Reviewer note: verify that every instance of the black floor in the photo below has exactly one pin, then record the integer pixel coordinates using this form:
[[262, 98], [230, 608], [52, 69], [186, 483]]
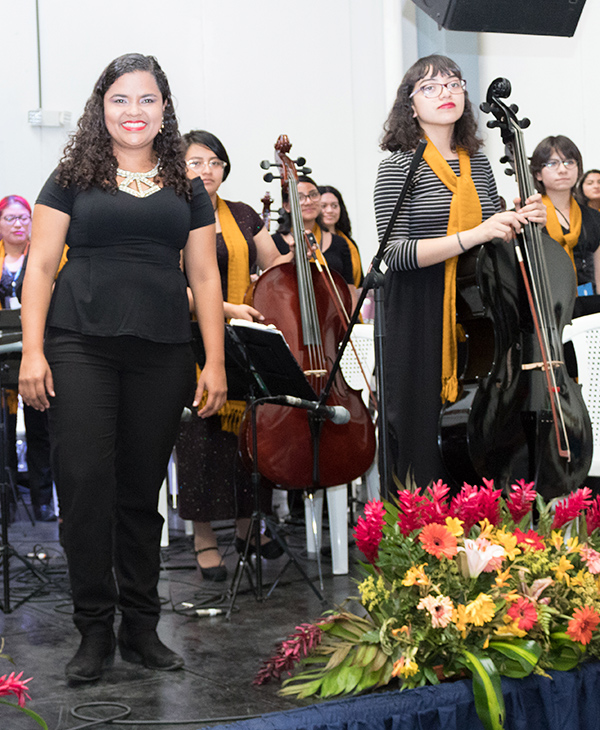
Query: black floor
[[222, 656]]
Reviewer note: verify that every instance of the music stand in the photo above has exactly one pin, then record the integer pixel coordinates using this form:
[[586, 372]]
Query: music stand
[[260, 366], [11, 347]]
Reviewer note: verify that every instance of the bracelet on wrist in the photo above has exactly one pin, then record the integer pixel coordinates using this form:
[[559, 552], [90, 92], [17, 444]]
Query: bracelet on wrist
[[462, 248]]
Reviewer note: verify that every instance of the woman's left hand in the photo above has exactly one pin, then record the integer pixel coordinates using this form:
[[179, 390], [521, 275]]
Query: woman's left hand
[[213, 381], [534, 209]]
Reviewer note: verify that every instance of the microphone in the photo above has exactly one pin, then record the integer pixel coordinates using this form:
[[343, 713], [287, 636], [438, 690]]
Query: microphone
[[186, 415], [335, 414]]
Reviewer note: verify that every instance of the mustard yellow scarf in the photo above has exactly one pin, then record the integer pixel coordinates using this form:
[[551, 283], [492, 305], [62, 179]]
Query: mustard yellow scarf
[[465, 213], [355, 255], [567, 240]]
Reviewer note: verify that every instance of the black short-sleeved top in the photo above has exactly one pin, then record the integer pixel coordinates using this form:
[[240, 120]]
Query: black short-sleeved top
[[123, 274], [337, 255]]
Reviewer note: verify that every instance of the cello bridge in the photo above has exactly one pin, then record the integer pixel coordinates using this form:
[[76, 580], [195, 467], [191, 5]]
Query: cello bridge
[[540, 365]]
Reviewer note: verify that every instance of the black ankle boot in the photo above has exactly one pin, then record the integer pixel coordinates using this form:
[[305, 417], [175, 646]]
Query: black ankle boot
[[96, 652], [144, 647]]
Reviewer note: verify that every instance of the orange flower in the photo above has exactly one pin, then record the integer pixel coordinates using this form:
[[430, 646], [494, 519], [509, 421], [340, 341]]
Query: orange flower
[[438, 540], [582, 624], [502, 578]]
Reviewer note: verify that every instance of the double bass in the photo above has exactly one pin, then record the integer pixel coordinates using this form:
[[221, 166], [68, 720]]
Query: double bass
[[295, 448], [519, 414]]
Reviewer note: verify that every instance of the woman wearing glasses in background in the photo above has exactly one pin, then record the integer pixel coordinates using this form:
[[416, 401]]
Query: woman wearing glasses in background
[[214, 486], [451, 207], [556, 167]]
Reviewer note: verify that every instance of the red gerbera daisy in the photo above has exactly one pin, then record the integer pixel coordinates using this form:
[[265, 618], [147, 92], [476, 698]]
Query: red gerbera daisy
[[582, 624], [523, 610], [529, 540], [438, 541]]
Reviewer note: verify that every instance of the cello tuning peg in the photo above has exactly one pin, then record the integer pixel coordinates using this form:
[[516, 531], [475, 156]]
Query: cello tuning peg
[[306, 170], [514, 108], [301, 161], [265, 164], [269, 177], [485, 107], [493, 123], [524, 123], [509, 172], [504, 160]]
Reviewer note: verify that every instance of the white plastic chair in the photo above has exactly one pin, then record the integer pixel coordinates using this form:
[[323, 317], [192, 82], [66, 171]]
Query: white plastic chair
[[337, 497], [584, 333]]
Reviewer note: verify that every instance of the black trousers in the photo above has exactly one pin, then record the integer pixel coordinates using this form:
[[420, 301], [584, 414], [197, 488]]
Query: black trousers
[[113, 424]]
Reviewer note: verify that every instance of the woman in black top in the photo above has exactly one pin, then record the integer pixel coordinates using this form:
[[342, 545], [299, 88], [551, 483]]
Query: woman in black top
[[107, 351]]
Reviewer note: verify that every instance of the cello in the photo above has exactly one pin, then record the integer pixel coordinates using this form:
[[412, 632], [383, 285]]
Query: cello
[[297, 449], [519, 414]]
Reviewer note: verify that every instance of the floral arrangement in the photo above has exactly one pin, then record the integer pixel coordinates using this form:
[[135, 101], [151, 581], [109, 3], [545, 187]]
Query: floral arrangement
[[12, 684], [455, 586]]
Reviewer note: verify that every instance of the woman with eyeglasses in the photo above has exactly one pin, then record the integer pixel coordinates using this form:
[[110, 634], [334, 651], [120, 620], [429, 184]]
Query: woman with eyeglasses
[[451, 207], [335, 249], [335, 219], [556, 166], [214, 486]]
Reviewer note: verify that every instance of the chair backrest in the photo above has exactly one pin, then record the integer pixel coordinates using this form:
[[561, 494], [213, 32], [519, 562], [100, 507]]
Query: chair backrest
[[584, 333], [362, 337]]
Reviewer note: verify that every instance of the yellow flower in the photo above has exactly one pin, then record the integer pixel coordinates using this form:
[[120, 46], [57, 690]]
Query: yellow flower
[[508, 542], [556, 538], [459, 617], [510, 629], [455, 526], [486, 643], [573, 545], [481, 610], [579, 579], [502, 578], [405, 667], [564, 564], [402, 630], [511, 596], [486, 528], [415, 576]]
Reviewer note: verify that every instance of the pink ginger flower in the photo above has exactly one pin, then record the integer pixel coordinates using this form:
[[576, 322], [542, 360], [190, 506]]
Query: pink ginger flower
[[14, 685], [593, 516], [571, 507], [520, 499], [369, 530], [410, 513], [290, 651], [591, 558], [473, 504]]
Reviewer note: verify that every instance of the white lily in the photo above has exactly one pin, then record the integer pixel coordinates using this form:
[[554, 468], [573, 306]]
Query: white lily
[[478, 557]]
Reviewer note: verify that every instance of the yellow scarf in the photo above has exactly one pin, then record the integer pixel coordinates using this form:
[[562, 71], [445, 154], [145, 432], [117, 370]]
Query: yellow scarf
[[238, 281], [567, 240], [465, 213], [12, 398], [355, 255]]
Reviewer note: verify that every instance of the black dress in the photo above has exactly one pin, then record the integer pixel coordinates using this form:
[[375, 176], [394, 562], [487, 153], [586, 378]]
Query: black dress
[[337, 255], [413, 309]]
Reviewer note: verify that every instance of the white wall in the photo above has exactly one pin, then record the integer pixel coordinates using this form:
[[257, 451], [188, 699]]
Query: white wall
[[318, 71]]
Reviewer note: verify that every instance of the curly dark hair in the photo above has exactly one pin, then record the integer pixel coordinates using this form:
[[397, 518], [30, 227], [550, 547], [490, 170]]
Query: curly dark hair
[[401, 129], [343, 223], [543, 152], [89, 160]]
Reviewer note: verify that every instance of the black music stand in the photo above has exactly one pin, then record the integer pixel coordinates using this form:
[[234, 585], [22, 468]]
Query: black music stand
[[260, 367], [10, 360]]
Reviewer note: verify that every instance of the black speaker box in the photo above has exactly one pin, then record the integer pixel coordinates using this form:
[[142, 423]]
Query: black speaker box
[[529, 17]]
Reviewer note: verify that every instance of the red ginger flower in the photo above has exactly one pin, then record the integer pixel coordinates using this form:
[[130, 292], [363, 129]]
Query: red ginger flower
[[473, 504], [520, 499], [582, 624], [410, 511], [571, 507], [289, 652], [435, 508], [14, 685], [369, 530], [529, 540], [593, 515], [523, 610]]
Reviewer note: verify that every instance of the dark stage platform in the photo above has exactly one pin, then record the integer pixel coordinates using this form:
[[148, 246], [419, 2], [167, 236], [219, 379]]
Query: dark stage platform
[[221, 656]]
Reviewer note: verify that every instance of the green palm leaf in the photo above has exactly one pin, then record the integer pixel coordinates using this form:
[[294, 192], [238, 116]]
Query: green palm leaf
[[487, 691]]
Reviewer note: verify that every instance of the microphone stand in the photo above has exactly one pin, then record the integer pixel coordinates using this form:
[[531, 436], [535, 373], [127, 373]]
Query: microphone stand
[[375, 280]]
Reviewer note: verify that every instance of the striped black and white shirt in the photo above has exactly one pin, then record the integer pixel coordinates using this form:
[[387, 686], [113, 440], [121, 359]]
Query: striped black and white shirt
[[426, 207]]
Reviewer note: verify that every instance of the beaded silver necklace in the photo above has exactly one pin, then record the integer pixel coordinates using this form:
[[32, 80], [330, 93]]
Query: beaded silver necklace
[[140, 179]]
